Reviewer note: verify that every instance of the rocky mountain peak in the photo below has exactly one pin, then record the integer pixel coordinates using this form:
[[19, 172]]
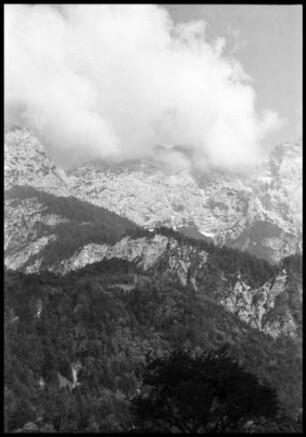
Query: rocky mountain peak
[[27, 164]]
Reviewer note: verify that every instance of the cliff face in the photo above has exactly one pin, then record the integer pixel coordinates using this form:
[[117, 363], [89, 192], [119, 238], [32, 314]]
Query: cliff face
[[148, 253], [23, 235], [259, 211], [266, 308], [27, 164]]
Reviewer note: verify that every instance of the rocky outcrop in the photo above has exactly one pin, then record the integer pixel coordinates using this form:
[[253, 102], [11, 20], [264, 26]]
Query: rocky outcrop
[[144, 251], [265, 308], [22, 230], [16, 261], [27, 164], [147, 253]]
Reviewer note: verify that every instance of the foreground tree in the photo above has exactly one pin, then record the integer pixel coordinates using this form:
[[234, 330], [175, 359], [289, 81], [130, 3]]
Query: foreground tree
[[206, 393]]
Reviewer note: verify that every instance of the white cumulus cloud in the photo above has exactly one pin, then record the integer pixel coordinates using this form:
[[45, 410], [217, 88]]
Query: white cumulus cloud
[[112, 81]]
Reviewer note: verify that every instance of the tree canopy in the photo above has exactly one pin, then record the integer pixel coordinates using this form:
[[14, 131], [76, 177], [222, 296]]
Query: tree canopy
[[210, 392]]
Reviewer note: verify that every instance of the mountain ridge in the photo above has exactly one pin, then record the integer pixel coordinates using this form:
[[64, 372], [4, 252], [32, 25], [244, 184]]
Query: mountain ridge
[[259, 212], [220, 206], [46, 228]]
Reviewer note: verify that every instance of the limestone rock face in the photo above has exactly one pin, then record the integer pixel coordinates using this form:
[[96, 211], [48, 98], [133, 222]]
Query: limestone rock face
[[22, 230], [27, 164], [141, 250], [259, 211], [147, 253], [265, 308]]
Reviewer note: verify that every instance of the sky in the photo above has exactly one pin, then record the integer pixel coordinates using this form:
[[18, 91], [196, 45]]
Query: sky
[[113, 81], [267, 40]]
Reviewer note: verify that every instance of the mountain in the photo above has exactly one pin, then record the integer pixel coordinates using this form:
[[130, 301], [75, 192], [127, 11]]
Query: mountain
[[35, 220], [40, 210], [61, 235], [84, 283], [27, 164], [46, 228], [259, 212]]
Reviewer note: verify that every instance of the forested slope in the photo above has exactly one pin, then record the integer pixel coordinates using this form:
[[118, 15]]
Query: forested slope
[[109, 316]]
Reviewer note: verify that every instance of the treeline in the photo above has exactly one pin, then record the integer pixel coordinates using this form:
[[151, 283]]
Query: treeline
[[86, 224], [294, 263], [78, 212]]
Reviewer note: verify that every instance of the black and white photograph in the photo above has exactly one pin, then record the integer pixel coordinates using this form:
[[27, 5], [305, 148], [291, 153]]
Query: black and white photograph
[[153, 226]]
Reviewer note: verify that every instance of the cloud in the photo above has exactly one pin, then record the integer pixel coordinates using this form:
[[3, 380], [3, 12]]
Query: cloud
[[112, 81], [237, 40]]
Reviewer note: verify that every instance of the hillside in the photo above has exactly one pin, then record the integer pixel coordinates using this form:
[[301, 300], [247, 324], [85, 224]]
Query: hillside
[[86, 285], [94, 317], [37, 219], [45, 230], [63, 234]]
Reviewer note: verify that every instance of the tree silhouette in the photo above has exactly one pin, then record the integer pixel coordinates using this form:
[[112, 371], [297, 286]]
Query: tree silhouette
[[210, 392]]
